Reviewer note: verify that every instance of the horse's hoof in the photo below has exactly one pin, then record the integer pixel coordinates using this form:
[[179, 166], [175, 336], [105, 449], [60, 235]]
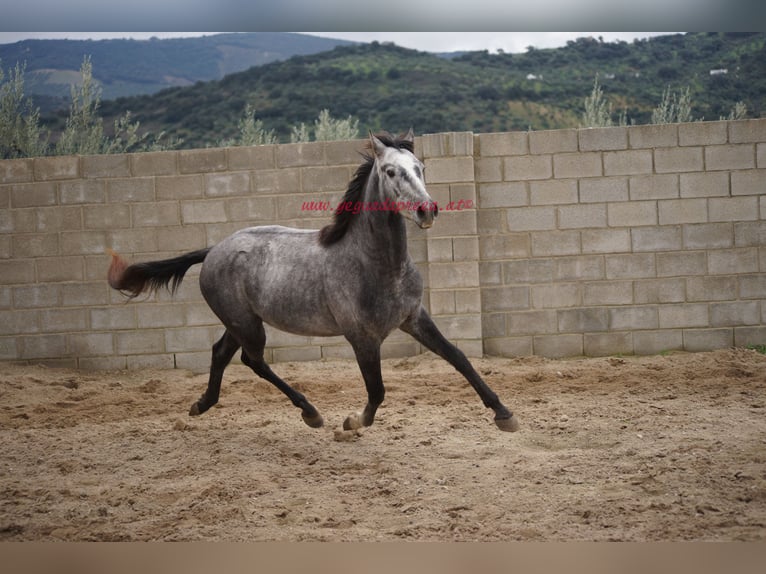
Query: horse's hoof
[[508, 425], [353, 422], [314, 422], [194, 410]]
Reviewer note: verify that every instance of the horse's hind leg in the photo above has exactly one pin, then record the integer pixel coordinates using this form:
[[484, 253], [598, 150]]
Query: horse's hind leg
[[422, 327], [223, 351], [252, 356]]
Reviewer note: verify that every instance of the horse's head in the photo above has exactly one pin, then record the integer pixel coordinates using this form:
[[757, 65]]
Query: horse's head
[[402, 181]]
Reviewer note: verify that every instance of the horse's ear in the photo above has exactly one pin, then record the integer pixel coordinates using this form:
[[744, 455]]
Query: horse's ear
[[377, 146], [409, 136]]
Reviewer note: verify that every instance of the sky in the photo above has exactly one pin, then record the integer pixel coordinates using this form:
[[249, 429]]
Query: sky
[[512, 42]]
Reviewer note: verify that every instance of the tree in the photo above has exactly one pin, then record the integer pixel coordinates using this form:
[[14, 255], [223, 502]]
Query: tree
[[20, 131]]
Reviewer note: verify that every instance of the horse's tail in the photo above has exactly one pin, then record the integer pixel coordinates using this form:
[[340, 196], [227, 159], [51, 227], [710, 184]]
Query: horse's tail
[[139, 277]]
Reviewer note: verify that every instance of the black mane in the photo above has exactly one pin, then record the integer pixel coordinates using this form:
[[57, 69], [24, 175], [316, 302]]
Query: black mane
[[343, 218]]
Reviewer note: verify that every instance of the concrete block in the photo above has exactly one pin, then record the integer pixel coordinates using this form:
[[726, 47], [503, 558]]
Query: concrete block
[[179, 187], [702, 133], [747, 336], [529, 271], [108, 216], [439, 249], [747, 131], [467, 301], [17, 271], [506, 194], [16, 171], [133, 189], [630, 266], [113, 318], [56, 167], [553, 243], [300, 155], [465, 248], [701, 340], [42, 346], [290, 354], [490, 273], [84, 294], [465, 192], [454, 223], [447, 170], [655, 342], [20, 322], [580, 268], [346, 152], [191, 338], [91, 344], [510, 298], [532, 322], [707, 236], [508, 347], [633, 318], [598, 139], [56, 269], [553, 192], [102, 363], [38, 295], [321, 179], [603, 189], [47, 219], [503, 144], [675, 211], [203, 211], [681, 263], [528, 167], [184, 238], [749, 233], [761, 155], [752, 286], [531, 218], [607, 344], [577, 165], [254, 157], [558, 346], [733, 261], [711, 288], [227, 184], [252, 209], [582, 216], [159, 316], [683, 316], [647, 187], [750, 182], [34, 245], [653, 136], [33, 194], [735, 313], [659, 291], [608, 293], [197, 362], [454, 275], [131, 240], [631, 162], [734, 156], [678, 159], [442, 302], [106, 166], [742, 208], [489, 169], [605, 240], [666, 238], [82, 191], [9, 350], [706, 184], [461, 143], [493, 325], [202, 160], [491, 222], [139, 342], [455, 327], [156, 214], [552, 141], [632, 214], [154, 163], [554, 296]]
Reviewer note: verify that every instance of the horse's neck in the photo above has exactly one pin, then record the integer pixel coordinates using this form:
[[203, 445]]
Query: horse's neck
[[380, 233]]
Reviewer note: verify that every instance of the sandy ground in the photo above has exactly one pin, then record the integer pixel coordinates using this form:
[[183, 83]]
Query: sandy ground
[[637, 448]]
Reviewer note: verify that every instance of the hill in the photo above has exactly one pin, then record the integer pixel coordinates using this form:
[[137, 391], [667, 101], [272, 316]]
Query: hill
[[389, 87], [125, 67]]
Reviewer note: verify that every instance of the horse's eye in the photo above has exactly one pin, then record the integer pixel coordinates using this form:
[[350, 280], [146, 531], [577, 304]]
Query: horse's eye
[[390, 172]]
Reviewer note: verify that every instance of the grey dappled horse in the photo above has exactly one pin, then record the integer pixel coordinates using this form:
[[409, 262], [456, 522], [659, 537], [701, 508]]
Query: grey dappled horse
[[353, 278]]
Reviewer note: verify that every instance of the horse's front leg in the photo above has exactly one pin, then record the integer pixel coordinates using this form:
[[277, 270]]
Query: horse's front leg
[[422, 328], [368, 358]]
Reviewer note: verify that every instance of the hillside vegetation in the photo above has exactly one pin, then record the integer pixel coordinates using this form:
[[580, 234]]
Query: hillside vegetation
[[389, 87]]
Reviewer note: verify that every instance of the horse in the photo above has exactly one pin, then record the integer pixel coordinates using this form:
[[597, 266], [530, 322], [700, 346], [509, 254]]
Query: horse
[[354, 277]]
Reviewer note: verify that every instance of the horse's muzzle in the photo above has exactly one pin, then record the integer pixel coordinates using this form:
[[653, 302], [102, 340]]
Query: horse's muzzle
[[425, 214]]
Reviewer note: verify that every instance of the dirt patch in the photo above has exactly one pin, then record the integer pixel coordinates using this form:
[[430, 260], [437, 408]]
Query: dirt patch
[[645, 448]]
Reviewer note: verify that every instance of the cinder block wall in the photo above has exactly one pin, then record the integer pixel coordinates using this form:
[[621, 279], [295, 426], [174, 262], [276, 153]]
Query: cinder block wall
[[569, 242]]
